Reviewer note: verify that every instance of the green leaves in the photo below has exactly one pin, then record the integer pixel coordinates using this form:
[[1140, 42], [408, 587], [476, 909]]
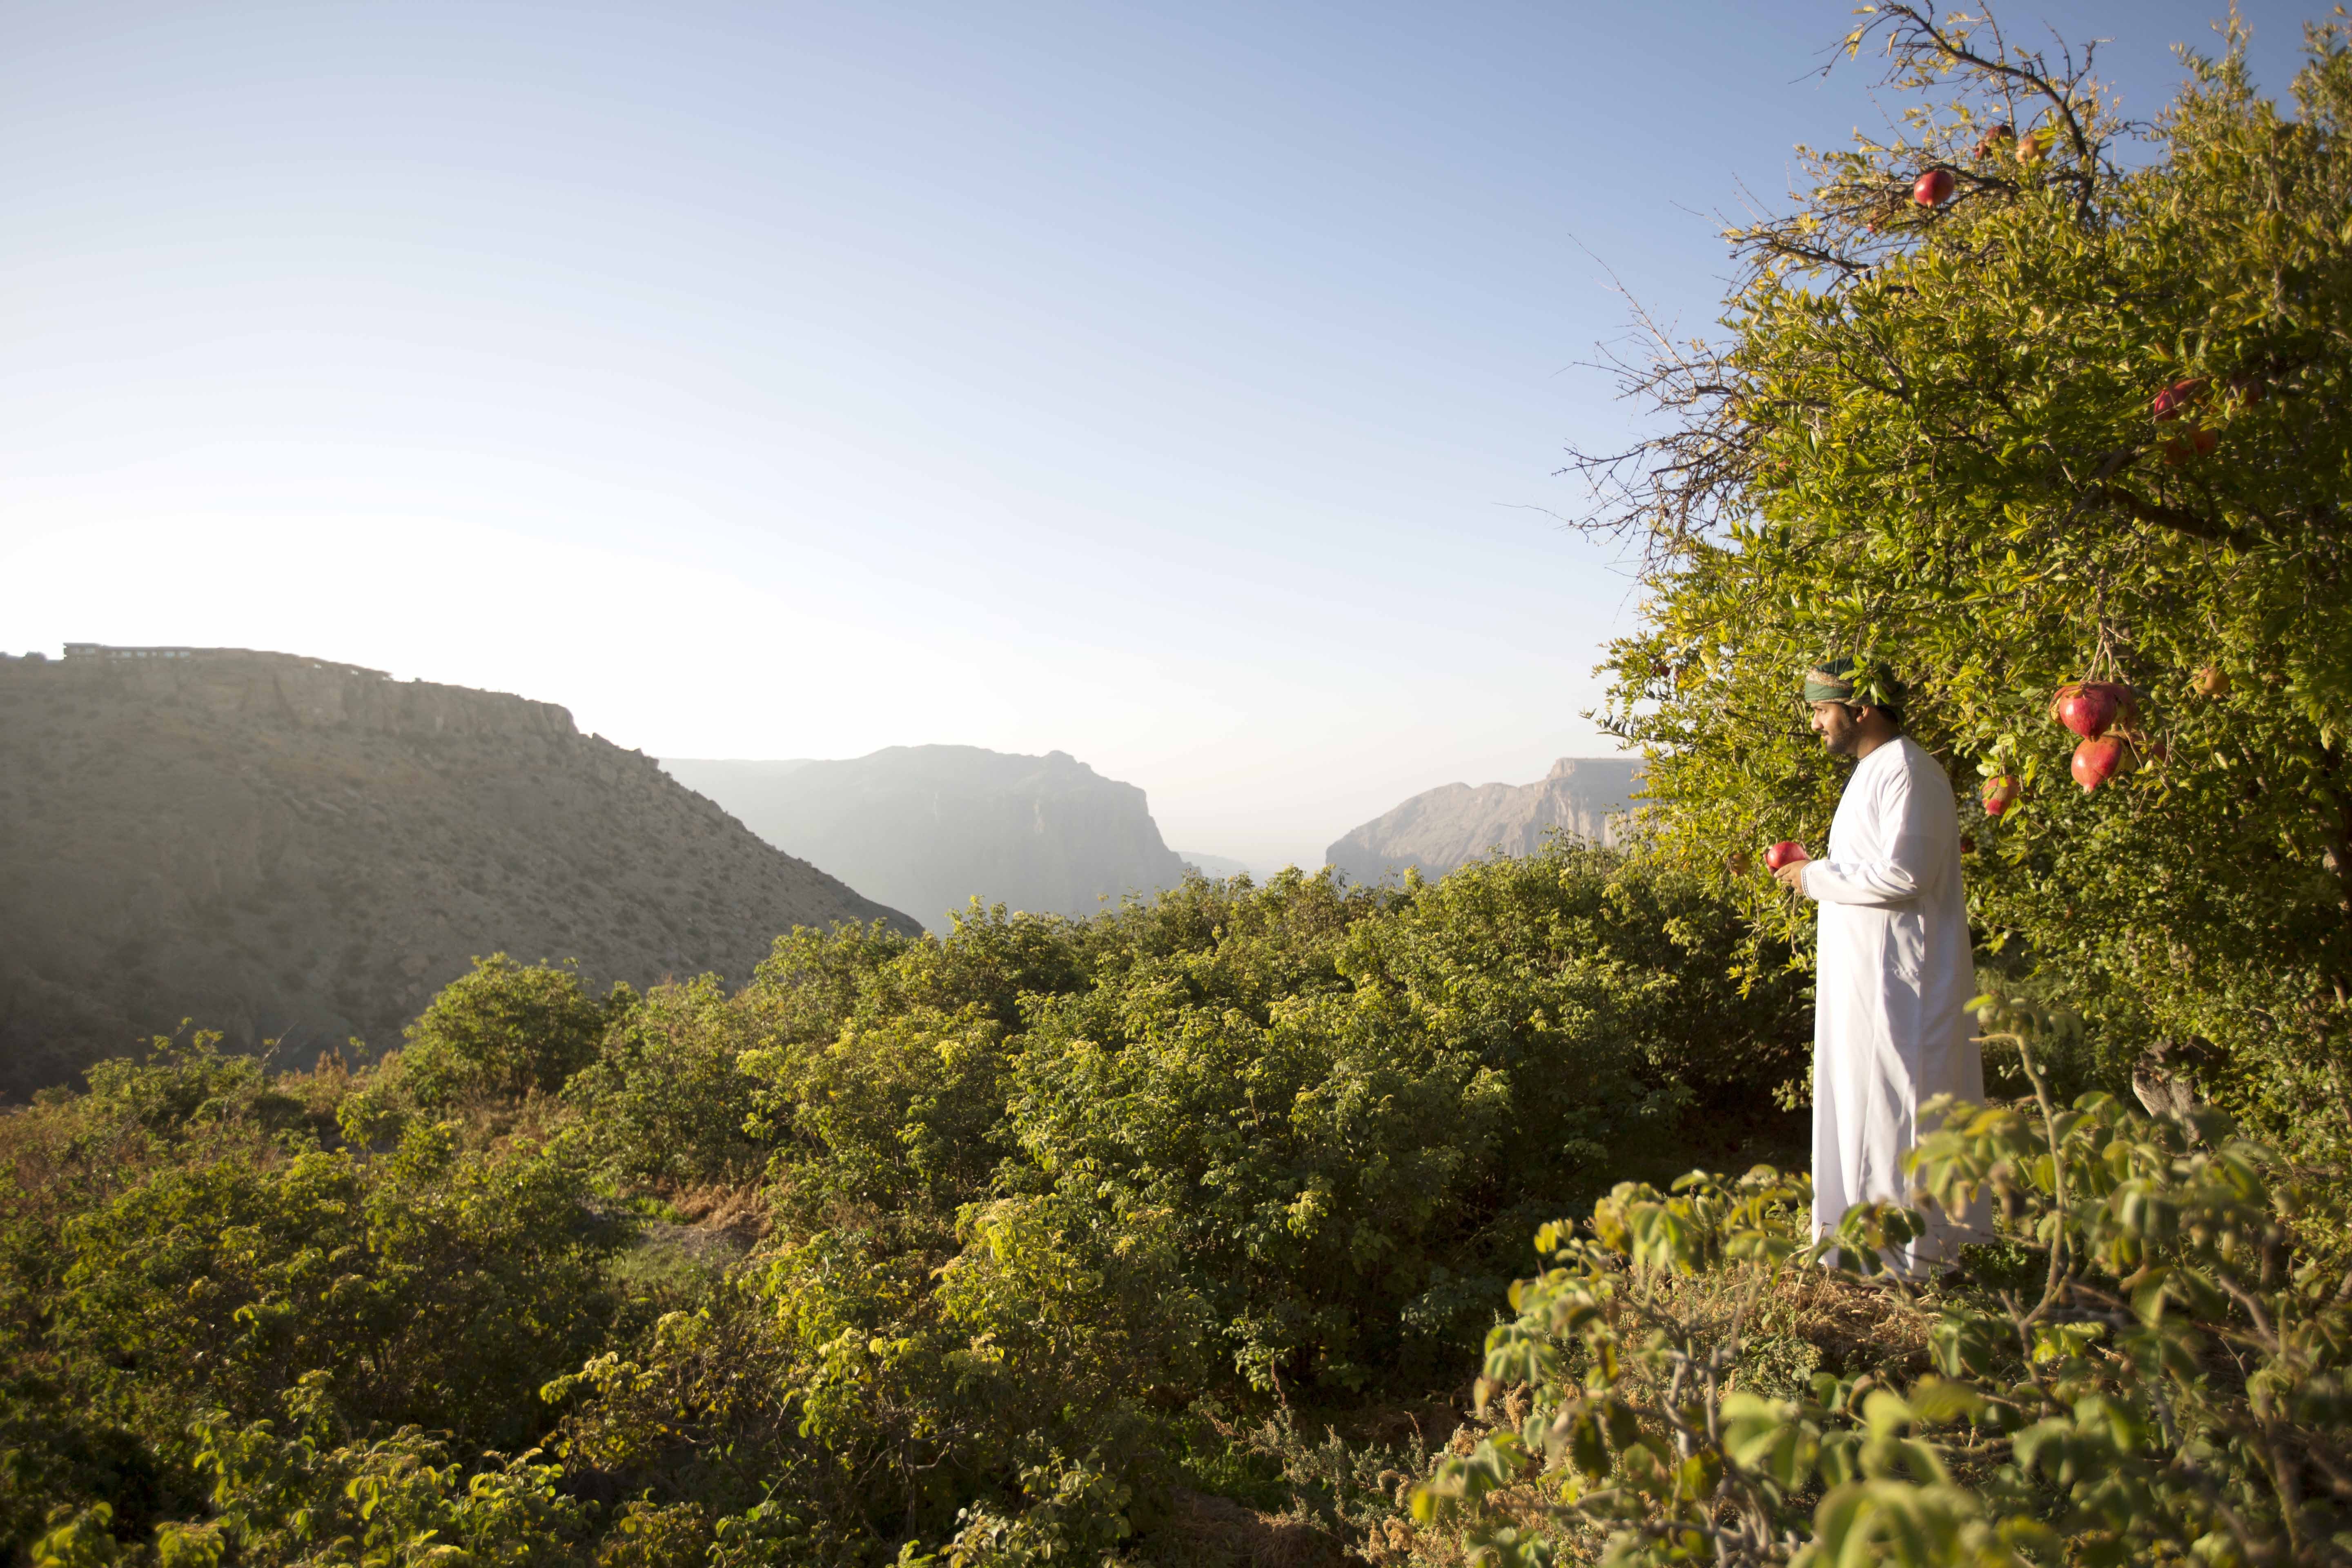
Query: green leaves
[[2080, 1422], [1938, 436]]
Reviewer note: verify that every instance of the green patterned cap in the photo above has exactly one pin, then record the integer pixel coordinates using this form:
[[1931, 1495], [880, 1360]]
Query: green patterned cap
[[1845, 680]]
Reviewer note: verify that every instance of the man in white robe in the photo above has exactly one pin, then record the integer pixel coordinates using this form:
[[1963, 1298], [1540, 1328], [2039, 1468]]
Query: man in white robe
[[1891, 1027]]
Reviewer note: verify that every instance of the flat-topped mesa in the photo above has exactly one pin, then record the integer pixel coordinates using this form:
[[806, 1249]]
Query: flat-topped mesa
[[289, 688], [293, 849]]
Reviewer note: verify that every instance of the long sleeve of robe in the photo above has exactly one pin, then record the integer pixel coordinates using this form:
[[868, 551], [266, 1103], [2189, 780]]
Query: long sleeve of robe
[[1896, 969]]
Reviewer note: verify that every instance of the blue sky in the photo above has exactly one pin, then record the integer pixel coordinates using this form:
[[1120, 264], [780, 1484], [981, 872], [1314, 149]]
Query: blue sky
[[1179, 386]]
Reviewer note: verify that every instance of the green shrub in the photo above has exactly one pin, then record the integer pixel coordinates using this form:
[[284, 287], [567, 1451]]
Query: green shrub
[[320, 1493], [665, 1102], [2172, 1386], [437, 1287], [505, 1030], [1348, 1111]]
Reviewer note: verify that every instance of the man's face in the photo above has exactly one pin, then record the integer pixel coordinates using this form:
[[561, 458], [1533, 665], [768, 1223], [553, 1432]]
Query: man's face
[[1838, 727]]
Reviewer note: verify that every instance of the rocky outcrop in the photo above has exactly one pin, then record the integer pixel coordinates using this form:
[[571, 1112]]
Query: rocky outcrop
[[928, 828], [1216, 867], [1439, 829], [285, 848]]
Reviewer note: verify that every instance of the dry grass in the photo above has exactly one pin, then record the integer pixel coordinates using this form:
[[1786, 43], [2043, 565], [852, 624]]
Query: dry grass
[[1203, 1530]]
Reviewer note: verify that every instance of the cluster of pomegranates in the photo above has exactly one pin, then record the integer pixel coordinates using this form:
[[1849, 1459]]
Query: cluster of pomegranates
[[1934, 187], [2104, 712]]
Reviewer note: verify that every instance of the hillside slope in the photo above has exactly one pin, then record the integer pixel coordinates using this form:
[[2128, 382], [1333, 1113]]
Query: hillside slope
[[1444, 828], [281, 848], [926, 829]]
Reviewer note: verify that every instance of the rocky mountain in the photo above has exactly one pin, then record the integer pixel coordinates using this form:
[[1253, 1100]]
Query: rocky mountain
[[281, 848], [1439, 829], [927, 828]]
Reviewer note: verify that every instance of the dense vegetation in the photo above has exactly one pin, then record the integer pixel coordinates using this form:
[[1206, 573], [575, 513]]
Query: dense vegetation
[[2089, 417], [2157, 1374], [999, 1244]]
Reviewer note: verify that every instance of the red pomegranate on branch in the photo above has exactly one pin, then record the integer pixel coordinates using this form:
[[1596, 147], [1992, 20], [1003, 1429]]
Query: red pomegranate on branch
[[2174, 400], [2098, 761], [2090, 708], [1933, 188], [2084, 707]]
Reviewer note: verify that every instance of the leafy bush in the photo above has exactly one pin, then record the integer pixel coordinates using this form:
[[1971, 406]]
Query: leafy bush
[[505, 1030], [2173, 1380], [1343, 1117], [429, 1283], [1031, 1194], [664, 1102], [1042, 1180], [321, 1493]]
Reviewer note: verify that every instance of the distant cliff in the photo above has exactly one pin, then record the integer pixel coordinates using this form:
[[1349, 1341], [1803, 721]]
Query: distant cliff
[[279, 847], [926, 829], [1439, 829], [1217, 868]]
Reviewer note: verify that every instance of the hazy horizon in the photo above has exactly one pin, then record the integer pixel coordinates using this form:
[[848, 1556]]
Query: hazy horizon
[[1179, 388], [1257, 867]]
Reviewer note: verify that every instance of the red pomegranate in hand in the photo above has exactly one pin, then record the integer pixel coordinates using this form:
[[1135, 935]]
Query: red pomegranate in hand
[[1932, 188], [2000, 793], [1788, 852], [2097, 761], [2087, 707]]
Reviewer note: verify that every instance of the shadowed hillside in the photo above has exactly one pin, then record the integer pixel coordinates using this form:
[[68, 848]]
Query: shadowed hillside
[[927, 828], [278, 847], [1442, 828]]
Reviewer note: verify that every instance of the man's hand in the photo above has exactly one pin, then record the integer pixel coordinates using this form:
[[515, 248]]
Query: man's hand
[[1792, 874]]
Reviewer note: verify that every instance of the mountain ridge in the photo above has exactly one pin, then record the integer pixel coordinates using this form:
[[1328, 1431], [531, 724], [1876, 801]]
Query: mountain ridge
[[1441, 828], [927, 828], [293, 848]]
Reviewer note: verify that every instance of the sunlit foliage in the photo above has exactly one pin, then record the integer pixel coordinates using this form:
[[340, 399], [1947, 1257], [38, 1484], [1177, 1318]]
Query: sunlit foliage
[[2089, 417], [959, 1245]]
